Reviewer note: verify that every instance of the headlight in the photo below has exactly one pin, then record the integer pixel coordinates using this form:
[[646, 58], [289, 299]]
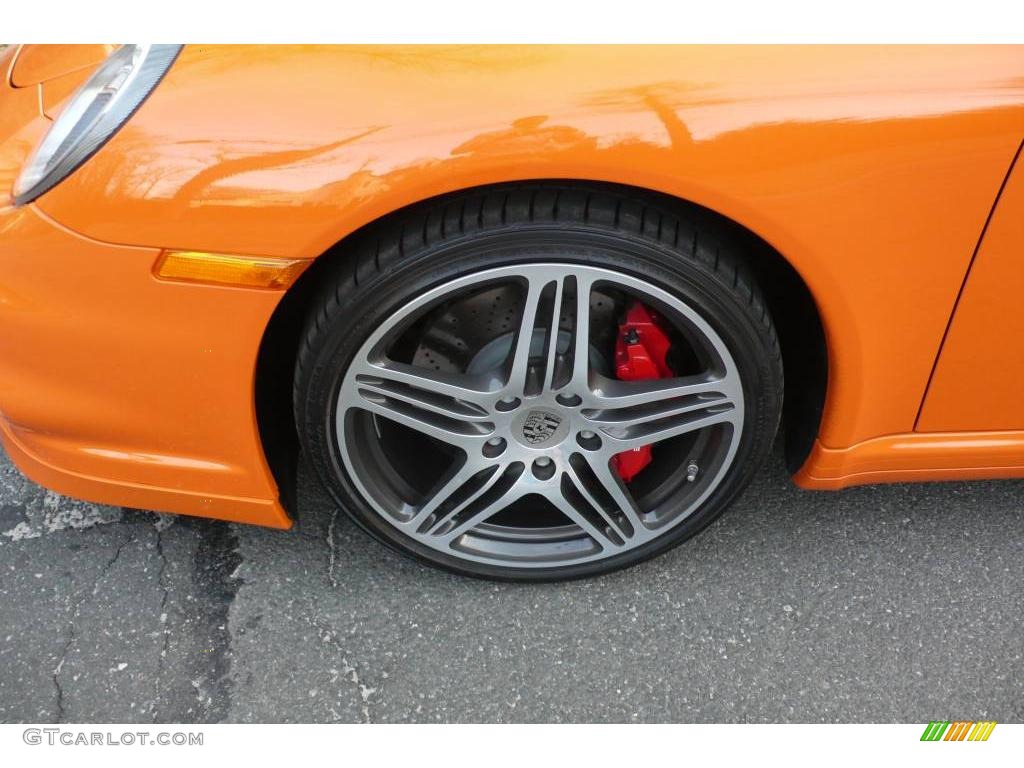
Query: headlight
[[93, 115]]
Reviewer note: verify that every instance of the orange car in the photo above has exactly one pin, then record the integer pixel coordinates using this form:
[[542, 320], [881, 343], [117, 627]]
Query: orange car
[[530, 312]]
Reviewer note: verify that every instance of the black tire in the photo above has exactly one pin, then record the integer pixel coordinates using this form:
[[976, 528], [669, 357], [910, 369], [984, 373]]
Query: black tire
[[668, 245]]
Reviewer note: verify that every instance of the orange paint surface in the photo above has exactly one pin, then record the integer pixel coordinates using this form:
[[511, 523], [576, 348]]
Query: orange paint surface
[[38, 63], [122, 388], [916, 456], [872, 170], [979, 379]]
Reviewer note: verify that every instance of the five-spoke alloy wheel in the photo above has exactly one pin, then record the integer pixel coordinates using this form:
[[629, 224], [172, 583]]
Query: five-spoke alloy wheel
[[467, 403]]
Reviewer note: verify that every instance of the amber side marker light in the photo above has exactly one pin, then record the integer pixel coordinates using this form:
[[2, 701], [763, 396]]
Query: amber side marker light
[[242, 271]]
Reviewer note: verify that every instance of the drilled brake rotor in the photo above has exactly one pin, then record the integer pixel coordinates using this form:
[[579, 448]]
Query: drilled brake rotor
[[463, 334]]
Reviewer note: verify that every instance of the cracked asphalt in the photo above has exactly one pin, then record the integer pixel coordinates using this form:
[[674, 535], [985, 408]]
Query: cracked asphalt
[[881, 604]]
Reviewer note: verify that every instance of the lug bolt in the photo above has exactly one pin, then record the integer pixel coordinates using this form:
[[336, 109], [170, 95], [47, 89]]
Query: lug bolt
[[543, 468], [586, 434], [507, 404], [570, 401], [494, 447]]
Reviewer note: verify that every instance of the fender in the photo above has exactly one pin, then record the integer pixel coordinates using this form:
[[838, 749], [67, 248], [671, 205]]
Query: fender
[[871, 170]]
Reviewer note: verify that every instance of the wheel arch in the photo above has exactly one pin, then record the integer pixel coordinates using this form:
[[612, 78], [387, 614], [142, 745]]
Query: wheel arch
[[793, 307]]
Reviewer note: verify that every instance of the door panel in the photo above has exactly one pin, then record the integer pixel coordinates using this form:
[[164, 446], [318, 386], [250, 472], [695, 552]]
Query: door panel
[[978, 382]]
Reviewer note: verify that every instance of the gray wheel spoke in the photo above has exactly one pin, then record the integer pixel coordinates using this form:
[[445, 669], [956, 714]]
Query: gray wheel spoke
[[633, 414], [604, 533], [604, 494], [455, 497], [445, 492], [638, 435], [495, 496], [657, 411], [612, 394], [542, 310], [609, 485], [439, 424], [551, 353], [517, 380], [468, 390], [579, 377], [424, 400]]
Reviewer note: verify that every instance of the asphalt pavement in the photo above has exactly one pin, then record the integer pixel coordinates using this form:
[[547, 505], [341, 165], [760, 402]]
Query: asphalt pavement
[[881, 604]]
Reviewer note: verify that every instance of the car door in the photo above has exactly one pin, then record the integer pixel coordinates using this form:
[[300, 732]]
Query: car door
[[978, 381]]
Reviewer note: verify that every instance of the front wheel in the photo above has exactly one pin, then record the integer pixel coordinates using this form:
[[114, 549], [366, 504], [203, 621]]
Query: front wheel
[[543, 390]]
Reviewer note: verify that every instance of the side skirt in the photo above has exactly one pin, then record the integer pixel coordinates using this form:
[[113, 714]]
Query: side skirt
[[915, 457]]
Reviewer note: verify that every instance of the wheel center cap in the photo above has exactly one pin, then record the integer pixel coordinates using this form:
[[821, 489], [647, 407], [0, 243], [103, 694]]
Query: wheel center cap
[[540, 428]]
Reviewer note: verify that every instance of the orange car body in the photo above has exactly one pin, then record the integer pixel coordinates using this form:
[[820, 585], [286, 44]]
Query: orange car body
[[884, 175]]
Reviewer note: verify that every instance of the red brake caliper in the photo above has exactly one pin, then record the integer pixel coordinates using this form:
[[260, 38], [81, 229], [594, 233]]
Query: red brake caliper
[[640, 352]]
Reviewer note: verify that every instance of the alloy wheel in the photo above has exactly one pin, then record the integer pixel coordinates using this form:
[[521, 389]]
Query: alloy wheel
[[482, 419]]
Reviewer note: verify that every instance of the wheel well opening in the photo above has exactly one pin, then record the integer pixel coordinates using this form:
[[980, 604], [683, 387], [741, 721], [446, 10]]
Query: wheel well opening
[[793, 309]]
